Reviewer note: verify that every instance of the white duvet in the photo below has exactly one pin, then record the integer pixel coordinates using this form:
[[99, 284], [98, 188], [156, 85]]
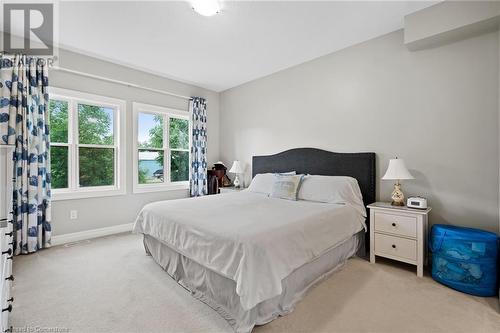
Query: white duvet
[[248, 237]]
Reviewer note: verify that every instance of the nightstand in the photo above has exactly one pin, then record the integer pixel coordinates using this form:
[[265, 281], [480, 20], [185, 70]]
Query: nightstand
[[399, 233], [230, 189]]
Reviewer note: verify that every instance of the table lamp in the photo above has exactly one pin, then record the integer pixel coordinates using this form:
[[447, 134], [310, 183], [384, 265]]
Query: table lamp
[[236, 169], [397, 171]]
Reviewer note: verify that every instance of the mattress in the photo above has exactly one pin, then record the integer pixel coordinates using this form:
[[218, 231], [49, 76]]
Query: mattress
[[249, 238], [219, 292]]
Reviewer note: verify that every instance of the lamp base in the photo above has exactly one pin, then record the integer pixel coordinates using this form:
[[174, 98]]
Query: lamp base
[[398, 198], [236, 182]]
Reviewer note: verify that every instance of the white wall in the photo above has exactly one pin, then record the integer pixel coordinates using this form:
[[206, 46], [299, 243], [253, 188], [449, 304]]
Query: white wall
[[108, 211], [437, 108]]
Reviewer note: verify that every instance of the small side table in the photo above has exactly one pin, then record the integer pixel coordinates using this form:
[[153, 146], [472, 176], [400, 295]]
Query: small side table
[[399, 233], [230, 189]]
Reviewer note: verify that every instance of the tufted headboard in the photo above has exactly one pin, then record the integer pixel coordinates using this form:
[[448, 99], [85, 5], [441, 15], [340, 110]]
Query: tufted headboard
[[321, 162]]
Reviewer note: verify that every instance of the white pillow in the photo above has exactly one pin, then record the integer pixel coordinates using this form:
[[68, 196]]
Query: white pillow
[[332, 189], [263, 182]]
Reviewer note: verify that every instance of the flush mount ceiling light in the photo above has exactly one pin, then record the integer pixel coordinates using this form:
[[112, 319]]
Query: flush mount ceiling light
[[206, 7]]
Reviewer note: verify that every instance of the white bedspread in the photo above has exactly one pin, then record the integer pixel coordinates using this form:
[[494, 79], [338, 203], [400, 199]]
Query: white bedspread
[[248, 237]]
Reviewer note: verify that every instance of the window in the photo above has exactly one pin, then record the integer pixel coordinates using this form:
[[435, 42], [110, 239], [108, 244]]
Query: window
[[161, 148], [87, 154]]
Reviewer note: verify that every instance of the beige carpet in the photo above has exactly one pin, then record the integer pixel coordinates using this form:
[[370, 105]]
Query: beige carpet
[[110, 285]]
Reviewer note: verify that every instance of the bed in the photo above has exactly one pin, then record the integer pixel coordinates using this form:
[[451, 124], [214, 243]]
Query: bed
[[251, 257]]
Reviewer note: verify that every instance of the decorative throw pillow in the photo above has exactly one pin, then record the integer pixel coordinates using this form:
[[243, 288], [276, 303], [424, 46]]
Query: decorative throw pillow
[[263, 182], [286, 187]]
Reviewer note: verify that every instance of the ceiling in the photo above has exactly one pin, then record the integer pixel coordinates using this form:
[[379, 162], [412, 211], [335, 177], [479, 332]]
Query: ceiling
[[247, 40]]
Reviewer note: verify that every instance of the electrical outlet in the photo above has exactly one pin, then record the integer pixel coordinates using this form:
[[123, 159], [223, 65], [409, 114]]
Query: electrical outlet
[[73, 214]]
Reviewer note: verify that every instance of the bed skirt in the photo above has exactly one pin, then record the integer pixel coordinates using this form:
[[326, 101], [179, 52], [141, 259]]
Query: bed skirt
[[219, 292]]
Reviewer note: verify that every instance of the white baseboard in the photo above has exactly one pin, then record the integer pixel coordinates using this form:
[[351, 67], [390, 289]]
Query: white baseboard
[[88, 234]]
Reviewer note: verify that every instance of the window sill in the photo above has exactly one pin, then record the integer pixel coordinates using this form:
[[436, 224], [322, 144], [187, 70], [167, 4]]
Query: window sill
[[85, 194], [160, 188]]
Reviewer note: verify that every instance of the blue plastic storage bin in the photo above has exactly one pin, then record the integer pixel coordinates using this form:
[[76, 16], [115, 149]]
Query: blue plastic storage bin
[[465, 259]]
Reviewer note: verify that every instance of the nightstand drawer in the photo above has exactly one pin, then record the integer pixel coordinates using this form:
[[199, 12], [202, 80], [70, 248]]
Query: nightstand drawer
[[395, 246], [396, 224]]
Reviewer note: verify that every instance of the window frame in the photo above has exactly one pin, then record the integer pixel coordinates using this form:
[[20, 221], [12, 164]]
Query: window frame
[[74, 190], [167, 113]]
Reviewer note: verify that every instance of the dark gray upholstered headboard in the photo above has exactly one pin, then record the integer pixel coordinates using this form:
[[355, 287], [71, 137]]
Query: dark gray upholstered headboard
[[321, 162]]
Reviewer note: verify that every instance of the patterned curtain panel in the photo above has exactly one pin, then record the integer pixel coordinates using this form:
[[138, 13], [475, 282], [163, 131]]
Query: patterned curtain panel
[[24, 123], [198, 109]]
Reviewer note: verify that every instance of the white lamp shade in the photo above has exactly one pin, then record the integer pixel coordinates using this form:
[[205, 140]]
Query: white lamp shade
[[236, 167], [397, 170]]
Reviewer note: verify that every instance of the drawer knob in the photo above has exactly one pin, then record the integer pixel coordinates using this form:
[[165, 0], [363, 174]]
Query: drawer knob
[[9, 308], [393, 224], [11, 277], [8, 233], [10, 299], [9, 252], [8, 330], [393, 246]]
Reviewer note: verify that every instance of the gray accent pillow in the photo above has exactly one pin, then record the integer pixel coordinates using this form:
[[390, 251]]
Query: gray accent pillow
[[286, 186]]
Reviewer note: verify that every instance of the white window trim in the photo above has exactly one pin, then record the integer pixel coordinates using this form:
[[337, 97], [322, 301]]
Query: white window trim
[[167, 185], [119, 124]]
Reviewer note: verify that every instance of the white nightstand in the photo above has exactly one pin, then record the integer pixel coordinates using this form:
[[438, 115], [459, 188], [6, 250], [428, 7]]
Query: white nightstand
[[230, 189], [399, 233]]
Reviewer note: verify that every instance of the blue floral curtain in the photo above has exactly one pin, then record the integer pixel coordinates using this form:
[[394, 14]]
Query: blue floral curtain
[[24, 124], [198, 110]]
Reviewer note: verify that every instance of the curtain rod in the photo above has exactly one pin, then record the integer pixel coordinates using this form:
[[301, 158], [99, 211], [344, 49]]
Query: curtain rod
[[52, 60], [124, 83]]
